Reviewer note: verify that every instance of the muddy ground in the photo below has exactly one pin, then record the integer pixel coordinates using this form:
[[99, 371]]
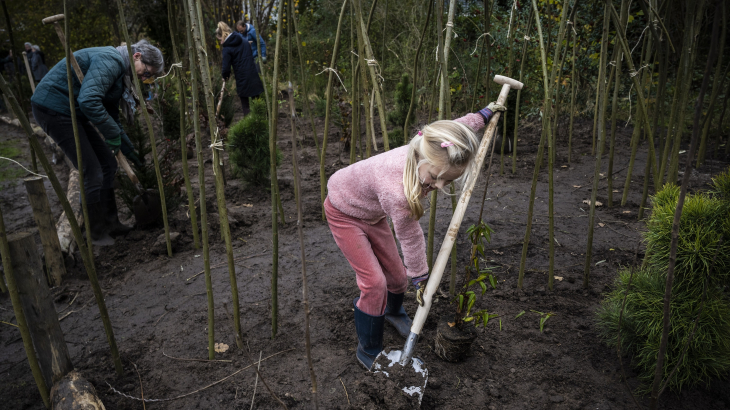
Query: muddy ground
[[159, 311]]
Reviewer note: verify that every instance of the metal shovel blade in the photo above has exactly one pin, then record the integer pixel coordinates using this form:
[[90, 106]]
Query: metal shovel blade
[[414, 374], [147, 208]]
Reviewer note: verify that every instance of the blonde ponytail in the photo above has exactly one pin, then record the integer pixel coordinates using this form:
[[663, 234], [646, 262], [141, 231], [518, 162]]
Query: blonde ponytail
[[426, 147], [223, 31]]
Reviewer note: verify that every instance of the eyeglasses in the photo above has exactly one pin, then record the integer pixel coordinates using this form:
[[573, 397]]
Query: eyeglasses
[[147, 74]]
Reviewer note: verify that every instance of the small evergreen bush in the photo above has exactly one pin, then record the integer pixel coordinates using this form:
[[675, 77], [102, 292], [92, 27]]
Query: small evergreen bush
[[248, 145], [397, 117], [701, 272], [708, 353]]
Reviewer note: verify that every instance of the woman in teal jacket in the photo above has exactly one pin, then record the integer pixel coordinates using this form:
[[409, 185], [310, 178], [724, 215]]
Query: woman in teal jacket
[[107, 84]]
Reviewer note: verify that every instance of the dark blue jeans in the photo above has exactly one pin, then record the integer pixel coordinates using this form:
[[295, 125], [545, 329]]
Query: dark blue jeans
[[99, 162]]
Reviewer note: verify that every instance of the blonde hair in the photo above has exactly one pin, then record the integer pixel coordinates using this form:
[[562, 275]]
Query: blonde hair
[[426, 148], [223, 31]]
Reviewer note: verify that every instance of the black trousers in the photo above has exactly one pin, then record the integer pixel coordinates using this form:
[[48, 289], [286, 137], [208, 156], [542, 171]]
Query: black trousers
[[99, 162], [246, 105]]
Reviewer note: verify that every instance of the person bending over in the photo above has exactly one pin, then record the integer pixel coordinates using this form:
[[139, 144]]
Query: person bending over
[[107, 84]]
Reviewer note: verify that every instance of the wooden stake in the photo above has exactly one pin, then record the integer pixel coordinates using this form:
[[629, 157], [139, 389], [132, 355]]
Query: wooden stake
[[46, 229], [406, 131], [43, 388], [37, 303]]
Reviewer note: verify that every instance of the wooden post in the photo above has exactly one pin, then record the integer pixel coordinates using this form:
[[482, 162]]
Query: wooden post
[[47, 229], [63, 227], [37, 303], [30, 73]]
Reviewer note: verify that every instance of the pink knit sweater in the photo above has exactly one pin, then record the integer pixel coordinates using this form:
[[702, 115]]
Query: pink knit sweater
[[373, 189]]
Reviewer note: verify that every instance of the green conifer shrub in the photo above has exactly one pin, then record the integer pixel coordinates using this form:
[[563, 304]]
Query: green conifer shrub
[[248, 145], [700, 279], [397, 117]]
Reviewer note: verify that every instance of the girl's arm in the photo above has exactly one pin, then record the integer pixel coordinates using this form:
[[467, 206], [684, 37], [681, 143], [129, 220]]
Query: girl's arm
[[410, 235], [479, 120]]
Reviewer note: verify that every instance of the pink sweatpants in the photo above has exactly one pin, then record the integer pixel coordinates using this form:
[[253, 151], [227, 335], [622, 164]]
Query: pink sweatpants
[[372, 252]]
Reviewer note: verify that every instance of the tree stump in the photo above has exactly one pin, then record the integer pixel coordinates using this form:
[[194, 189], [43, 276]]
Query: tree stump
[[37, 303], [47, 229], [73, 392]]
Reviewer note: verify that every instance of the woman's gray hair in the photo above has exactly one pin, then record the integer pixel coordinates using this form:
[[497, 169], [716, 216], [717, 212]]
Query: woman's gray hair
[[151, 55], [36, 48]]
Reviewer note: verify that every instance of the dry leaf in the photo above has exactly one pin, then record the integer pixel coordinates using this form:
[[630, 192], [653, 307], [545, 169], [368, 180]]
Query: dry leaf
[[601, 224], [627, 212], [558, 278], [563, 166], [615, 191], [602, 174], [497, 252], [588, 202], [221, 347], [577, 186], [247, 205], [451, 324]]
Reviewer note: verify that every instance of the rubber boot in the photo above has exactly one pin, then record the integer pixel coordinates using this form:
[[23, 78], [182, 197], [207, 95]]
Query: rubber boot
[[98, 226], [396, 315], [116, 228], [369, 336]]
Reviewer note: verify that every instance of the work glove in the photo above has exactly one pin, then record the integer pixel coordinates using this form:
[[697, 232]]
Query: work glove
[[487, 111], [114, 144], [263, 59], [420, 284]]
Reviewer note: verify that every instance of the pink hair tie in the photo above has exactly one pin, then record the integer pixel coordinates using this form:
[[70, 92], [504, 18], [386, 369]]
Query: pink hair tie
[[420, 133], [446, 144]]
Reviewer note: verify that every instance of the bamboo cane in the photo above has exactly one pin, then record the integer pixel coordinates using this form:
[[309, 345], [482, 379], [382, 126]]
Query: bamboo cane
[[274, 191], [261, 57], [364, 85], [183, 141], [201, 180], [298, 200], [153, 142], [601, 137], [198, 37], [371, 63], [323, 154], [519, 93], [485, 43], [354, 97], [614, 109], [659, 371], [716, 86], [573, 84], [305, 100], [510, 64], [415, 70], [637, 129], [20, 316]]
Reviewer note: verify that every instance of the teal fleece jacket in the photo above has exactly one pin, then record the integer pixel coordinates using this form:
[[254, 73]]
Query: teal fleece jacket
[[97, 99]]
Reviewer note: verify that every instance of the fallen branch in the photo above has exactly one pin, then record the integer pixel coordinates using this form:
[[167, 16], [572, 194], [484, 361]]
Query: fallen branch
[[196, 391], [224, 264]]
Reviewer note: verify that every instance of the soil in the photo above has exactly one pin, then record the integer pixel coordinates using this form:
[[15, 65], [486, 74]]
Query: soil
[[159, 310]]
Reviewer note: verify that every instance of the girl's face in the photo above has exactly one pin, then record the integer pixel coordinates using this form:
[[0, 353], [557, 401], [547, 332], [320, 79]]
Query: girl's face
[[428, 174]]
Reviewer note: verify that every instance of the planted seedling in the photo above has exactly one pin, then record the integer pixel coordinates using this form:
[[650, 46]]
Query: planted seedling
[[479, 235], [543, 317]]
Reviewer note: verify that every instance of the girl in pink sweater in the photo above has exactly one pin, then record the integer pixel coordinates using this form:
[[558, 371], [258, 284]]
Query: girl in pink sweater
[[392, 184]]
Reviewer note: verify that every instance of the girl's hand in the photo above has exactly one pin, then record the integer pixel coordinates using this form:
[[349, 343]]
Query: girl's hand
[[420, 284]]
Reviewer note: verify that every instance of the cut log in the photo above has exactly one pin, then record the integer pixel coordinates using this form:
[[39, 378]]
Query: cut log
[[37, 303], [73, 392], [63, 227], [47, 229]]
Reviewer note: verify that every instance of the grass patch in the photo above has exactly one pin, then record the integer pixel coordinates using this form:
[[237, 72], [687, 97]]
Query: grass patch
[[10, 170]]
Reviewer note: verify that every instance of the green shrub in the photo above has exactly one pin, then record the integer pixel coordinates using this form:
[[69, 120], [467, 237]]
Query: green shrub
[[721, 185], [702, 262], [708, 353], [397, 117], [248, 145], [704, 219]]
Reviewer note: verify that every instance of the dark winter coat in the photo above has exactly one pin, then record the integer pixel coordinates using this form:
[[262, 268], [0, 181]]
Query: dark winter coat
[[237, 54], [37, 65], [97, 99]]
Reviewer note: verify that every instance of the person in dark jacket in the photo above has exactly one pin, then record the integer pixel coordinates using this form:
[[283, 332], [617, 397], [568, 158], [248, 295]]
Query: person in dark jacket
[[249, 33], [37, 64], [237, 54], [107, 85]]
